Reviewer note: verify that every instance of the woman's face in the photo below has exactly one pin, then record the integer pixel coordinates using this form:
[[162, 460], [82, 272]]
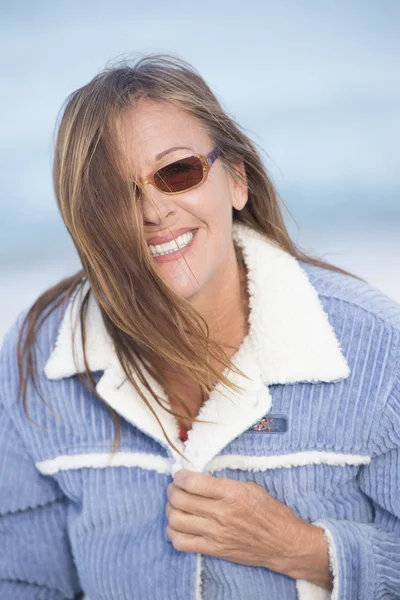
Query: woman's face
[[153, 128]]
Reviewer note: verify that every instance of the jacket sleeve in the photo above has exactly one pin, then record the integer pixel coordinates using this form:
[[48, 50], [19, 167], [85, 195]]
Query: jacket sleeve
[[365, 557], [35, 558]]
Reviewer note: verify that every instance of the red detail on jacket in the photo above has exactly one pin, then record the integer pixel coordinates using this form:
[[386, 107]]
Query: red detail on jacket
[[183, 436]]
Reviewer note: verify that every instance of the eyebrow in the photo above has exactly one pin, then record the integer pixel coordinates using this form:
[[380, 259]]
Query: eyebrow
[[159, 156]]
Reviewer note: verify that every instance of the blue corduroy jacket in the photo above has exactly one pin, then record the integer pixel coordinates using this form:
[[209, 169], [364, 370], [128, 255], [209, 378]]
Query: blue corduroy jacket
[[317, 425]]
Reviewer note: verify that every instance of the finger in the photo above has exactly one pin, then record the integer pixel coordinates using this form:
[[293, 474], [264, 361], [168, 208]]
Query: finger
[[185, 542], [191, 503], [187, 523], [201, 484]]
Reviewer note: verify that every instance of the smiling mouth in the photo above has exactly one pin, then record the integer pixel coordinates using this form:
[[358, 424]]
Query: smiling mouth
[[183, 241]]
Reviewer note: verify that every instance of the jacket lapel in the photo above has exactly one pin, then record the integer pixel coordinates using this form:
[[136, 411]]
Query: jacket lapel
[[290, 340]]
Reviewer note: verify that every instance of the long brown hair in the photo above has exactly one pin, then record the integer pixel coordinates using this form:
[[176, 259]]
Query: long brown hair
[[98, 205]]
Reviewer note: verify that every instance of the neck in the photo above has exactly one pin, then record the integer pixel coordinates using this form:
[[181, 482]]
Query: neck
[[225, 306]]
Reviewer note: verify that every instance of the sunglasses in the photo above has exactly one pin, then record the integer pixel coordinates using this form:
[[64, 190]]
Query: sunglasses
[[184, 174]]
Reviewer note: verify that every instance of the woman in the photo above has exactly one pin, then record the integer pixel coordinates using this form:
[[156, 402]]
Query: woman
[[259, 388]]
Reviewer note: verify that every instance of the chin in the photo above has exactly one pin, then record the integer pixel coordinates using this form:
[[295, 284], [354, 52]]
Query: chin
[[188, 290]]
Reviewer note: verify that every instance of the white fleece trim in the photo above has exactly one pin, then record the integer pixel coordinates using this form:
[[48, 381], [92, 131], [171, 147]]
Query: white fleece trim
[[199, 569], [67, 356], [163, 465], [151, 462], [295, 459], [230, 414], [308, 591], [333, 559], [294, 338]]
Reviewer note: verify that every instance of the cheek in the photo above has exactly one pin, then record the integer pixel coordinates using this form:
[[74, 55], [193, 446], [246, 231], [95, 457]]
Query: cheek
[[211, 204]]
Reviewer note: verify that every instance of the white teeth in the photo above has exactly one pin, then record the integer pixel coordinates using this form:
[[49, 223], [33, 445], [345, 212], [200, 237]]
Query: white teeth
[[169, 247]]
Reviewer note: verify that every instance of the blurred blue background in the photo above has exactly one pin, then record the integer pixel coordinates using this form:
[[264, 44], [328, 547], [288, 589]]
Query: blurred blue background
[[315, 84]]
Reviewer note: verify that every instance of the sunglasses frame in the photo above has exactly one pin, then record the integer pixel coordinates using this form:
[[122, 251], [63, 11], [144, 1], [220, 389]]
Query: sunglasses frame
[[206, 160]]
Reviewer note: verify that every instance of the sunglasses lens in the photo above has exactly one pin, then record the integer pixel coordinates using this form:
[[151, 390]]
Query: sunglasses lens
[[180, 175]]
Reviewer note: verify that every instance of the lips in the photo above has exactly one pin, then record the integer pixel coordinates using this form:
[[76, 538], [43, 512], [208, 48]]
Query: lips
[[176, 254], [163, 239]]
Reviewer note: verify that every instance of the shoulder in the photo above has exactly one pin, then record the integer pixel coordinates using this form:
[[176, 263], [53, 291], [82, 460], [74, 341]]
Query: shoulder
[[12, 344], [346, 293], [367, 324], [45, 335]]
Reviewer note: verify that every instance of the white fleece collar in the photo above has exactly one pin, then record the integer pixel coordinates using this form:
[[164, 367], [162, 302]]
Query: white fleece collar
[[290, 340]]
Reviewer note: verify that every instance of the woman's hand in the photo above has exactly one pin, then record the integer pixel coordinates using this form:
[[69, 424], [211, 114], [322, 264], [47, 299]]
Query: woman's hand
[[241, 522]]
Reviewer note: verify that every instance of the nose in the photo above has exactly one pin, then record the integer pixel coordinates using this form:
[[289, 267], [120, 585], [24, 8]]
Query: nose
[[156, 206]]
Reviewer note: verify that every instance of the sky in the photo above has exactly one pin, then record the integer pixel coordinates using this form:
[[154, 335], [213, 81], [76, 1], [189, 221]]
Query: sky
[[315, 84]]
